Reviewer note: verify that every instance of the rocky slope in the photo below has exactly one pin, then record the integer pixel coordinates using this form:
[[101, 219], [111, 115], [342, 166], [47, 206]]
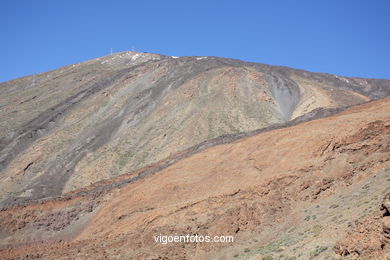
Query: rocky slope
[[279, 196], [68, 128], [97, 158]]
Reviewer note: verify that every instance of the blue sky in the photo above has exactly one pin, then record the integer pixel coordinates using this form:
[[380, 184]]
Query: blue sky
[[350, 38]]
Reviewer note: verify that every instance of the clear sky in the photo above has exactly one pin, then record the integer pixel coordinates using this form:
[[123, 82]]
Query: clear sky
[[350, 38]]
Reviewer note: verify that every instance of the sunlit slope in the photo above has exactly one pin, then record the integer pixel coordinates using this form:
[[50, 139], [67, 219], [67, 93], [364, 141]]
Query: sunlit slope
[[311, 191], [68, 128]]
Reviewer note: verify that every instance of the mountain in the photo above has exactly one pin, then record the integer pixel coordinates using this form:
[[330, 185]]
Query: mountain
[[97, 158]]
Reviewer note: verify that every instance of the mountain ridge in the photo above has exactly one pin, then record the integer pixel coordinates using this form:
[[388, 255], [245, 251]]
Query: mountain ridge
[[140, 94]]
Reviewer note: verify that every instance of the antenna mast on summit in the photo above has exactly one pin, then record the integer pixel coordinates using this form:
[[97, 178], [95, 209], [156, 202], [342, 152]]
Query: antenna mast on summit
[[33, 80]]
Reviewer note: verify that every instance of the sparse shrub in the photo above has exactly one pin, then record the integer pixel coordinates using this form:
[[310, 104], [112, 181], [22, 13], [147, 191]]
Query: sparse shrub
[[342, 221], [318, 251], [333, 206], [268, 257], [247, 250], [291, 229], [307, 218], [316, 230], [236, 255]]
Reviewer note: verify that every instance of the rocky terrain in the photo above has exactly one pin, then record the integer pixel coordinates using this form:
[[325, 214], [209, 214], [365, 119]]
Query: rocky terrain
[[97, 158]]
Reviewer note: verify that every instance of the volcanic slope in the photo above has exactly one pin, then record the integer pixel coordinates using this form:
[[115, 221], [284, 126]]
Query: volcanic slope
[[316, 190], [69, 128]]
